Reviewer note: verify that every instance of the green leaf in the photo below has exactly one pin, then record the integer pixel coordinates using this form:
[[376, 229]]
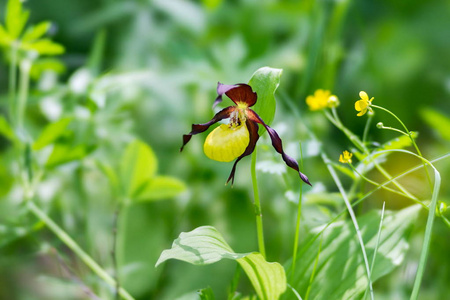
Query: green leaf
[[201, 246], [206, 294], [46, 64], [205, 245], [340, 271], [268, 279], [438, 121], [110, 173], [16, 18], [35, 32], [51, 133], [5, 39], [6, 130], [44, 47], [63, 153], [265, 82], [137, 167], [161, 187]]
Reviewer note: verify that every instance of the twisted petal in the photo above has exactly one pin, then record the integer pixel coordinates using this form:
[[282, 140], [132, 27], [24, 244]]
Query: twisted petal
[[240, 93], [254, 136], [222, 89], [199, 128], [277, 144]]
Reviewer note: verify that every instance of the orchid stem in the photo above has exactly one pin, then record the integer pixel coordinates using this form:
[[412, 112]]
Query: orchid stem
[[258, 211]]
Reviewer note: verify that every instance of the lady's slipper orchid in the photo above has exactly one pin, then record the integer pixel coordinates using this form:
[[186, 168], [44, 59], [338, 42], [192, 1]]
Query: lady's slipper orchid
[[237, 139]]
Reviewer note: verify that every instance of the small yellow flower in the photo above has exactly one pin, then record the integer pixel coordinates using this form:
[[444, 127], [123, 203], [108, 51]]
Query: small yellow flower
[[346, 157], [363, 105], [321, 99]]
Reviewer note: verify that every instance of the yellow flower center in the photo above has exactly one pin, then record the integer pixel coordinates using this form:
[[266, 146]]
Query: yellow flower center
[[227, 142]]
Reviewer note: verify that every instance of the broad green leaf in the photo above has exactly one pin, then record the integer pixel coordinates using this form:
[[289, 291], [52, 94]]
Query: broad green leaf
[[44, 47], [265, 82], [16, 18], [35, 32], [63, 153], [205, 245], [6, 130], [161, 187], [268, 279], [51, 133], [438, 121], [340, 271], [5, 39], [137, 166], [201, 246], [206, 294]]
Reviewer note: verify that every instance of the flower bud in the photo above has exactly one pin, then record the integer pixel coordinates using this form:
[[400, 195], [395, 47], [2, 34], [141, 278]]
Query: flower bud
[[333, 101], [380, 125]]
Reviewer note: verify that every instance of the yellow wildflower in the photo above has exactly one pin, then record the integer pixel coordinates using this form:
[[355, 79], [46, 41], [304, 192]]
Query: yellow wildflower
[[346, 157], [321, 99], [363, 105]]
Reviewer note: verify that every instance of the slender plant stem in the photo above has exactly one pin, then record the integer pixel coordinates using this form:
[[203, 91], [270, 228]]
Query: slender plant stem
[[12, 82], [376, 245], [69, 242], [25, 66], [360, 145], [313, 273], [410, 136], [353, 217], [114, 251], [297, 224], [258, 211], [395, 129], [366, 128]]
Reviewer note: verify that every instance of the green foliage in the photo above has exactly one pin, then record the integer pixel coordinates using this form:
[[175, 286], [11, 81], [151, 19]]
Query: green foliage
[[51, 133], [265, 82], [268, 279], [438, 121], [205, 245], [206, 294], [340, 271]]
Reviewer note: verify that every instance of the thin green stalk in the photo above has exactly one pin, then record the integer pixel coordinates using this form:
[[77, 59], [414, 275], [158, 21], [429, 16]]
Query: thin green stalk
[[12, 82], [366, 128], [25, 66], [313, 273], [385, 187], [352, 216], [297, 224], [410, 136], [70, 243], [395, 129], [357, 142], [376, 245], [430, 221], [258, 211]]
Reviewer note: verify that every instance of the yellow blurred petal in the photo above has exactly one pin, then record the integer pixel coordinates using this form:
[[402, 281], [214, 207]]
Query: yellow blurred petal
[[364, 96], [361, 105], [361, 113], [226, 143]]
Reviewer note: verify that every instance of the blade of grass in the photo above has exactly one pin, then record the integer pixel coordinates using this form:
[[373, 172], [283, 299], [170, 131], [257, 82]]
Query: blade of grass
[[352, 215], [376, 245]]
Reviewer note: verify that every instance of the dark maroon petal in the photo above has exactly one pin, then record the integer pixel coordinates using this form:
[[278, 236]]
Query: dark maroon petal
[[243, 93], [222, 89], [277, 144], [254, 136], [199, 128]]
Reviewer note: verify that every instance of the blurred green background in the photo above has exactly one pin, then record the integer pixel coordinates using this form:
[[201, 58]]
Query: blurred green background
[[149, 69]]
